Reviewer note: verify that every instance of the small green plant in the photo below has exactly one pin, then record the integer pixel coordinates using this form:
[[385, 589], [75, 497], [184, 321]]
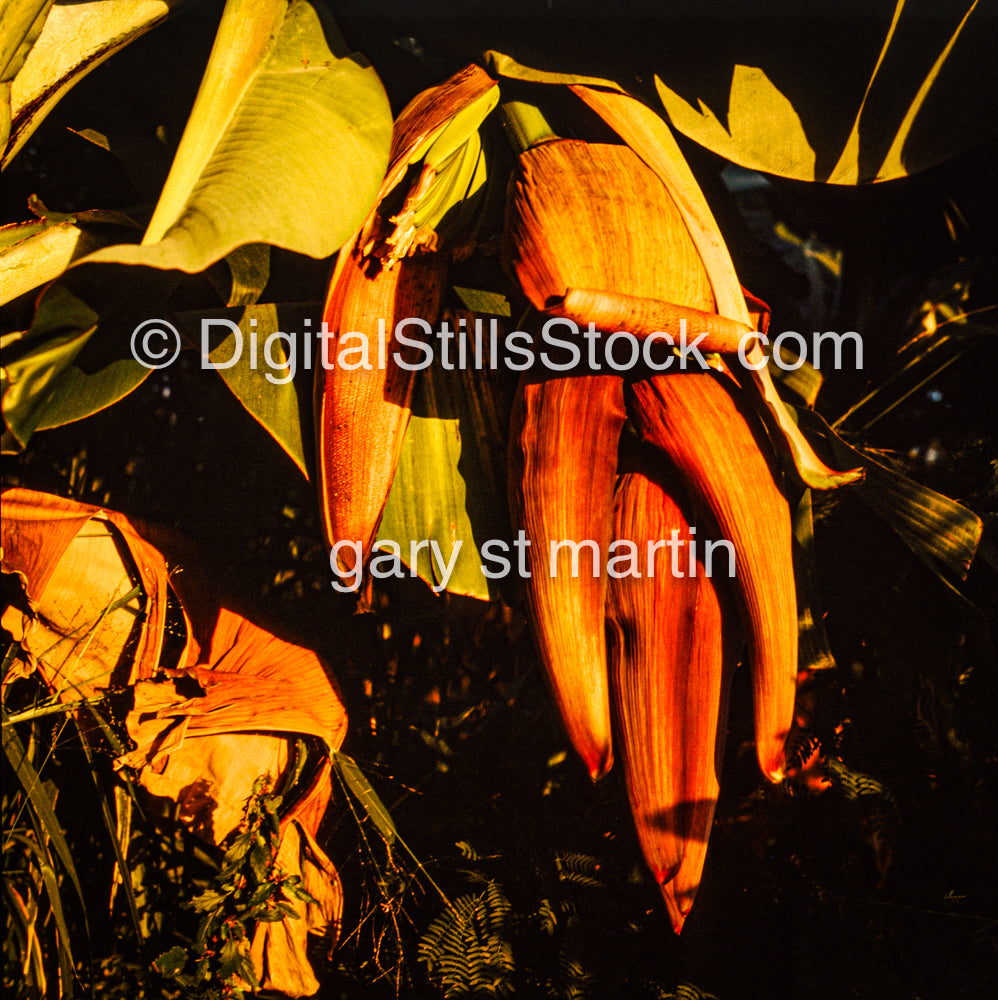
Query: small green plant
[[249, 887]]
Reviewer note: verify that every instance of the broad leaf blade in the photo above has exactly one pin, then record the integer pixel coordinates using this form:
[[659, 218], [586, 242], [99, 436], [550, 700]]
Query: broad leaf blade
[[763, 131], [76, 38], [260, 383], [281, 90], [448, 487], [33, 253], [57, 372], [894, 132]]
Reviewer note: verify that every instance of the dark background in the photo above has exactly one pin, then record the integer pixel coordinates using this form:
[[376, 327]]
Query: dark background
[[881, 887]]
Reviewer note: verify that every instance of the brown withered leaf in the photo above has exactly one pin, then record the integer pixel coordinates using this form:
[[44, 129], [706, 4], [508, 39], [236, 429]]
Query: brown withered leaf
[[702, 423], [672, 658], [207, 725]]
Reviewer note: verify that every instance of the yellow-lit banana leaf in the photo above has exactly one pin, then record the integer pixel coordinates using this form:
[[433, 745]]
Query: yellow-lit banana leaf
[[449, 485]]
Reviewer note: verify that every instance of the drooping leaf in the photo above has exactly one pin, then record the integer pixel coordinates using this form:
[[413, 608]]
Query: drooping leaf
[[901, 159], [763, 130], [263, 384], [448, 486], [33, 253], [281, 87], [941, 532], [357, 784], [76, 38], [57, 371], [504, 65]]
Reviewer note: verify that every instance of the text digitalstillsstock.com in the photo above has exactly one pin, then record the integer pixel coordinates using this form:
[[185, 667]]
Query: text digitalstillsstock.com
[[413, 345], [624, 558]]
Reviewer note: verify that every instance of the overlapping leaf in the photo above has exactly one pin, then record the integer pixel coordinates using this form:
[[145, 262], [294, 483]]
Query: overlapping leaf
[[282, 93], [76, 38], [205, 726]]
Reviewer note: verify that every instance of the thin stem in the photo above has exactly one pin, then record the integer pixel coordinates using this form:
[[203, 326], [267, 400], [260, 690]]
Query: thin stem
[[526, 125]]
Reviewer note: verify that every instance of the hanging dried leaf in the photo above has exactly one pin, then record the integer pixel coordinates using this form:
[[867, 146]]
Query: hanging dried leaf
[[96, 594]]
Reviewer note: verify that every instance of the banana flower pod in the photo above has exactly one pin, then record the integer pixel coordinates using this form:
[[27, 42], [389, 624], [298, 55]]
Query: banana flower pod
[[702, 424], [384, 276], [588, 216], [671, 664], [362, 413]]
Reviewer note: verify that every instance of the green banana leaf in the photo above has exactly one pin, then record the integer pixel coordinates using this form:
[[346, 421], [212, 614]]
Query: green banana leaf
[[942, 533], [58, 371], [287, 143], [272, 402], [36, 252], [76, 38], [449, 486], [895, 131]]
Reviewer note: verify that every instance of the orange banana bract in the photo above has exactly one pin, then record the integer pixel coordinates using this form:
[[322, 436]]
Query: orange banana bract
[[707, 431], [586, 215], [583, 215], [562, 464], [671, 665], [362, 415]]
